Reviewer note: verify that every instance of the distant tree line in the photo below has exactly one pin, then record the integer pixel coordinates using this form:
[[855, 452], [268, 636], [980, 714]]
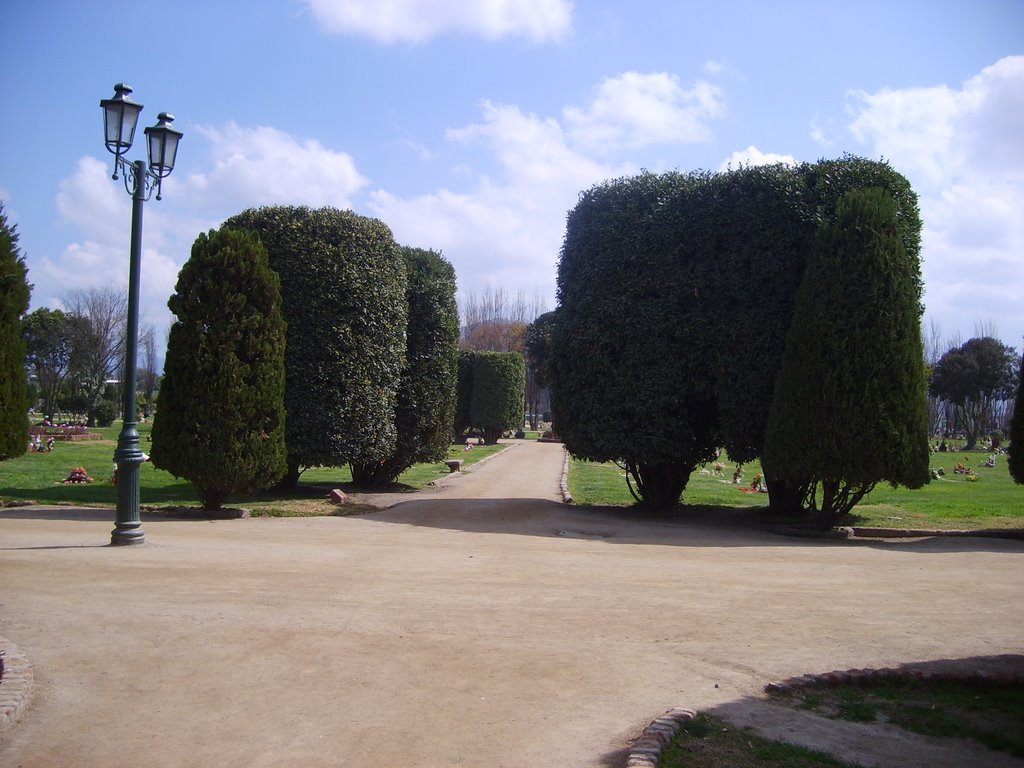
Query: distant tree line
[[76, 356]]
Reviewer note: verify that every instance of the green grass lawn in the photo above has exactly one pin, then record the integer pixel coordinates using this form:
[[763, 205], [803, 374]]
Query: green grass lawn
[[37, 477], [953, 502], [991, 713], [710, 742]]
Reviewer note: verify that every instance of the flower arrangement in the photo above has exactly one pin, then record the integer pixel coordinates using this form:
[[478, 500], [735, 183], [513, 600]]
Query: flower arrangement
[[77, 475]]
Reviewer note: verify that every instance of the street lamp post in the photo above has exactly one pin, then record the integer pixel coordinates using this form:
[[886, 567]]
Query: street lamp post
[[120, 117]]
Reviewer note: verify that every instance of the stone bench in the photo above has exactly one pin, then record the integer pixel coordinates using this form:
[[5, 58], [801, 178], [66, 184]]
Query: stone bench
[[454, 465]]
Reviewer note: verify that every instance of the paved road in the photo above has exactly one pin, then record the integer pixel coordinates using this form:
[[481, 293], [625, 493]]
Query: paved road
[[480, 624]]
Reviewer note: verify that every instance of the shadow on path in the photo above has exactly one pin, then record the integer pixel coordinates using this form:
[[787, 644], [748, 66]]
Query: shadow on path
[[685, 526]]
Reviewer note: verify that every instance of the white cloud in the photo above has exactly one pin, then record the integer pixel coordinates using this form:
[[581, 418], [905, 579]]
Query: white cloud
[[938, 134], [635, 110], [265, 166], [963, 151], [246, 167], [820, 131], [98, 209], [506, 231], [389, 21], [752, 156]]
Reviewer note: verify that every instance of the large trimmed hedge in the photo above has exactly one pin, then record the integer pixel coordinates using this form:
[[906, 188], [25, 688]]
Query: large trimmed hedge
[[343, 293], [676, 292], [491, 390]]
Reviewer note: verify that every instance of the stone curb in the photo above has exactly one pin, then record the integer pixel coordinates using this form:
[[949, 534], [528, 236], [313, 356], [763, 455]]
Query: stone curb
[[913, 533], [645, 751], [15, 683], [564, 483]]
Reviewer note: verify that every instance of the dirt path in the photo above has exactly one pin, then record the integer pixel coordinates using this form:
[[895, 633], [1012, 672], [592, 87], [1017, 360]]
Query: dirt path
[[479, 624]]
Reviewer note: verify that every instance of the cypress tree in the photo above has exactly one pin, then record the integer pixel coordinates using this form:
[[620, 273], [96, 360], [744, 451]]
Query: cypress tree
[[849, 408], [14, 298], [427, 390], [220, 421]]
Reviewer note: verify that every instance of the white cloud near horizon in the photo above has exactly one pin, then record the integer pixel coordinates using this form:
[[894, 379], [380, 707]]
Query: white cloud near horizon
[[414, 21], [963, 151]]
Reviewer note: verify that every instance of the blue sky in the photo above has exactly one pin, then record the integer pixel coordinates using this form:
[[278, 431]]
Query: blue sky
[[471, 127]]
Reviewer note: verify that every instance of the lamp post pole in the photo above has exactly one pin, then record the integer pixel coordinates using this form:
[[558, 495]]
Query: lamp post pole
[[129, 457], [120, 116]]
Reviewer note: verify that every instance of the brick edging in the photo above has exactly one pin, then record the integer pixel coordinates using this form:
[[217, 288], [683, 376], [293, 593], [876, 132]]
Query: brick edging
[[645, 752], [908, 673], [15, 683]]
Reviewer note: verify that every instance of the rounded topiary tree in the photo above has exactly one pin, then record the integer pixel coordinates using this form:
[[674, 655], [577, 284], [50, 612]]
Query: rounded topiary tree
[[220, 423], [629, 378], [427, 391], [14, 298], [496, 402], [849, 409], [464, 391], [343, 296]]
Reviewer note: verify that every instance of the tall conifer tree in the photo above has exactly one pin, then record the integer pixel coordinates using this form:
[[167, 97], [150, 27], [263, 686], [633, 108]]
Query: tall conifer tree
[[14, 297], [849, 409], [220, 420]]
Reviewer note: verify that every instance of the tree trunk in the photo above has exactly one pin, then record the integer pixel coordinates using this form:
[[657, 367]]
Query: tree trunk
[[291, 477], [211, 498], [830, 509], [785, 499], [372, 475], [659, 486]]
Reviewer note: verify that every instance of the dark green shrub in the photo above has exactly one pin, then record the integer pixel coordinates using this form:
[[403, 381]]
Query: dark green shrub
[[106, 412], [343, 296], [221, 419]]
